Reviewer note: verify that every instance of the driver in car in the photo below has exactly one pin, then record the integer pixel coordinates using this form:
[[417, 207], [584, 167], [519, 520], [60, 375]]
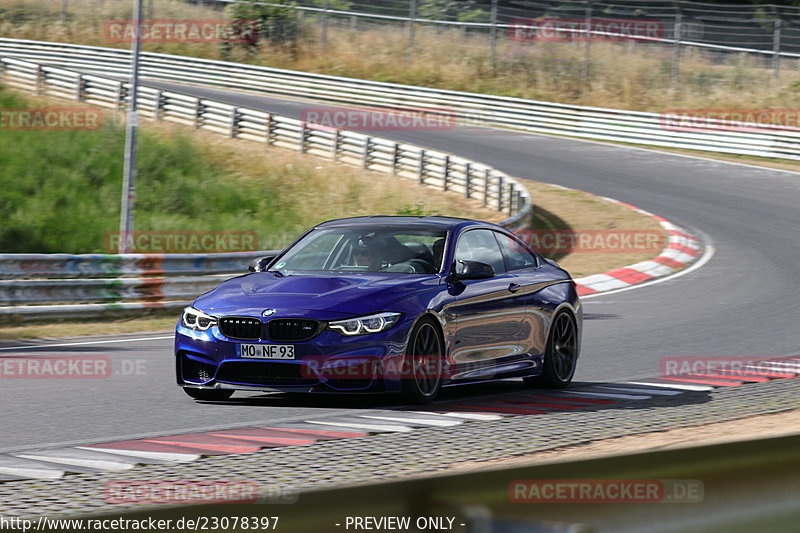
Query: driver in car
[[365, 254]]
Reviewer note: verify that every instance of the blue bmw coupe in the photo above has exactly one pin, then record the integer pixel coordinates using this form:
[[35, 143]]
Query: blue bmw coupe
[[384, 304]]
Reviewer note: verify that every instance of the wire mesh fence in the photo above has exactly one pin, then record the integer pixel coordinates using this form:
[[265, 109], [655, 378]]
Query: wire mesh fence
[[768, 32]]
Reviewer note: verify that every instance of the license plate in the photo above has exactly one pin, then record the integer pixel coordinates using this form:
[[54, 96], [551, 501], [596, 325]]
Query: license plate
[[266, 351]]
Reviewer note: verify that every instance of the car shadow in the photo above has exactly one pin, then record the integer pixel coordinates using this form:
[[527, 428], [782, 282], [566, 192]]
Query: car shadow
[[541, 220], [510, 397]]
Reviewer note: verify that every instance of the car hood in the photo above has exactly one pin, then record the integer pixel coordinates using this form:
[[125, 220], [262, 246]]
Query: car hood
[[350, 294]]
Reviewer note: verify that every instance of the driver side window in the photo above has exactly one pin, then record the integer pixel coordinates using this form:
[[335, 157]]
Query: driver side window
[[480, 245], [517, 256]]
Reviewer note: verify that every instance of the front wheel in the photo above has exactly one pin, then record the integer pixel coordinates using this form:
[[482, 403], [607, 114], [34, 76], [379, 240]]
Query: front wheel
[[424, 361], [209, 395], [561, 354]]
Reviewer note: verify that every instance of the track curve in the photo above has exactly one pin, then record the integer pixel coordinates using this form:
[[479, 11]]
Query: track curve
[[742, 303]]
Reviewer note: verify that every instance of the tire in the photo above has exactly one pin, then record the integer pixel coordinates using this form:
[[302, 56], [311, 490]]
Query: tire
[[422, 379], [209, 395], [561, 354]]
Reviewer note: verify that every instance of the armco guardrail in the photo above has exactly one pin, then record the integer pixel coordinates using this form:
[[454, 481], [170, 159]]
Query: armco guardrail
[[51, 285], [68, 266], [528, 115], [43, 285]]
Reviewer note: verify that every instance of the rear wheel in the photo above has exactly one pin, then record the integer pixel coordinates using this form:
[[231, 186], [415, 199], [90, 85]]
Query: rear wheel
[[561, 354], [209, 395], [424, 361]]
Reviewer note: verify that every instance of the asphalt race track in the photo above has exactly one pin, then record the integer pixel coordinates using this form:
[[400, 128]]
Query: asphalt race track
[[743, 302]]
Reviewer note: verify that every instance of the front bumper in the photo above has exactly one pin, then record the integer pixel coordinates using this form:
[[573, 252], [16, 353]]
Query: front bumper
[[329, 362]]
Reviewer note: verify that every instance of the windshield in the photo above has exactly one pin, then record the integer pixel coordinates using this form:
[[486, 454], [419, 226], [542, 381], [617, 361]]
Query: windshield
[[397, 249]]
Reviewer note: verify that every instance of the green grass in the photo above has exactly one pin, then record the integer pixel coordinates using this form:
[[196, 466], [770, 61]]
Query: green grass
[[53, 201]]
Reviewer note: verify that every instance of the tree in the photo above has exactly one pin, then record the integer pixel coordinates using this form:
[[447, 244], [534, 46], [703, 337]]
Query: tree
[[461, 10], [276, 24]]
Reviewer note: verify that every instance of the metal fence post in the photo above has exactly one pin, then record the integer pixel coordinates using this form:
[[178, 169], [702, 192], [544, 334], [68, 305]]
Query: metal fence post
[[467, 179], [158, 105], [395, 158], [79, 86], [676, 46], [421, 171], [128, 201], [499, 193], [303, 132], [270, 129], [41, 82], [446, 172], [776, 42], [122, 94], [365, 156], [198, 113], [511, 196], [587, 47], [233, 127], [323, 36], [493, 36], [335, 148], [487, 174], [412, 24]]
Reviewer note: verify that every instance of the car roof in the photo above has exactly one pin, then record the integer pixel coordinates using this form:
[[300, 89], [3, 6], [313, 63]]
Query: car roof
[[387, 220]]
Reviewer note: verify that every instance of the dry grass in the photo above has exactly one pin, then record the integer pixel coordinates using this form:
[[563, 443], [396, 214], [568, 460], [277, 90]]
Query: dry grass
[[579, 211], [148, 322], [621, 75]]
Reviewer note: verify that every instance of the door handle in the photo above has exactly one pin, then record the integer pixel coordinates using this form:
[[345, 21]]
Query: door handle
[[514, 287]]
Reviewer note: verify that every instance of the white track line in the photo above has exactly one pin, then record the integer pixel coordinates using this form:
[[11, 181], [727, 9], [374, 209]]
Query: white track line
[[698, 388], [409, 420], [359, 425], [467, 416], [101, 464], [646, 391], [602, 395], [163, 456]]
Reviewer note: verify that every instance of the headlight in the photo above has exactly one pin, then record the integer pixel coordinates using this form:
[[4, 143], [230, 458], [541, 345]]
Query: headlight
[[365, 324], [195, 319]]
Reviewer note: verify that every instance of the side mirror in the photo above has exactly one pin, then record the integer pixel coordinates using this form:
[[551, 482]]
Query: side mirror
[[258, 264], [465, 270]]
